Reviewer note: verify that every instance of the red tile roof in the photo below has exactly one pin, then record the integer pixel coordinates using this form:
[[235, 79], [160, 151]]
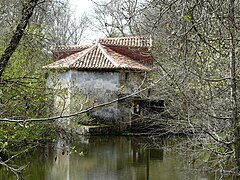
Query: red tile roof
[[125, 62], [60, 52], [69, 47], [93, 59], [135, 41], [102, 56]]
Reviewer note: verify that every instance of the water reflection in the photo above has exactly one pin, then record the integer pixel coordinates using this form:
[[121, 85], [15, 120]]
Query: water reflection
[[61, 161], [107, 158]]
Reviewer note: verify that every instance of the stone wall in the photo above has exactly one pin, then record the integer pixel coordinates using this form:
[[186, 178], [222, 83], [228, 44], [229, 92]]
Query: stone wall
[[130, 81], [60, 83], [73, 87], [103, 85], [97, 87]]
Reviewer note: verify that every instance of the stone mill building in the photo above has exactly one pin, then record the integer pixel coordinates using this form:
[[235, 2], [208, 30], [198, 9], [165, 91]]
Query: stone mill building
[[104, 71]]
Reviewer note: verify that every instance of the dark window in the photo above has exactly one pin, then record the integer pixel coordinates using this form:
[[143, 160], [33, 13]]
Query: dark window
[[126, 75]]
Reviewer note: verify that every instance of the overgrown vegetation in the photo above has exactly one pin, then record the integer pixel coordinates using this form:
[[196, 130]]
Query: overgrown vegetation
[[28, 30], [196, 53]]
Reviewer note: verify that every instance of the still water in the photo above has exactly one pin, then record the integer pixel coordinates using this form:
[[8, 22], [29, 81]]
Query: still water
[[107, 158]]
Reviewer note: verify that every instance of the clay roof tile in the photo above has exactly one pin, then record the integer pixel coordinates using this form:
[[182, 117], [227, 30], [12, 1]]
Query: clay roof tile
[[100, 56]]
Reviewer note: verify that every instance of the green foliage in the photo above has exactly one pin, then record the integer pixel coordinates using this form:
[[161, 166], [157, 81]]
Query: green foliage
[[16, 137], [23, 92], [187, 18], [23, 95], [202, 158]]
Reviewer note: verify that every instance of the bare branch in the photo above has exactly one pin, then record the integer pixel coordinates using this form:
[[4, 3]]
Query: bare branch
[[78, 112]]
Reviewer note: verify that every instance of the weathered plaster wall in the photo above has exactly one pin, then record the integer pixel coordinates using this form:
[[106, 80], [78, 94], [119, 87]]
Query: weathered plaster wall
[[102, 84], [100, 87], [59, 80], [60, 83], [130, 81]]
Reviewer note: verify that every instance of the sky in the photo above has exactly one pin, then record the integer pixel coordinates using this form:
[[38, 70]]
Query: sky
[[83, 7]]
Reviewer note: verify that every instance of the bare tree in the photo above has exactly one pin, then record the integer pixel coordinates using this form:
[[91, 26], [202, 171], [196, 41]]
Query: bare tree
[[196, 47], [66, 28], [196, 51], [118, 18]]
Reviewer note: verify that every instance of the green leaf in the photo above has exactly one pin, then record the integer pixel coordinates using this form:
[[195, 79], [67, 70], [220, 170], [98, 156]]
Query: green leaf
[[187, 18]]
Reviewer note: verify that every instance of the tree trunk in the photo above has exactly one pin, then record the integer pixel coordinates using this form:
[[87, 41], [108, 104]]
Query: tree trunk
[[233, 60], [27, 12]]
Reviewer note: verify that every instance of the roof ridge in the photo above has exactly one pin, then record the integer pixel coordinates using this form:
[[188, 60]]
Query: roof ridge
[[130, 41], [104, 54], [126, 37], [83, 54], [68, 47], [107, 56]]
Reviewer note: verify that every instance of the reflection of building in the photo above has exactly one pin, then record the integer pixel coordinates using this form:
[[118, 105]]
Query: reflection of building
[[107, 70], [103, 158], [60, 165], [109, 158]]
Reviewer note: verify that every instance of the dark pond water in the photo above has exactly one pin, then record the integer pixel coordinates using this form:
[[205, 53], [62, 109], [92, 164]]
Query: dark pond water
[[107, 158]]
